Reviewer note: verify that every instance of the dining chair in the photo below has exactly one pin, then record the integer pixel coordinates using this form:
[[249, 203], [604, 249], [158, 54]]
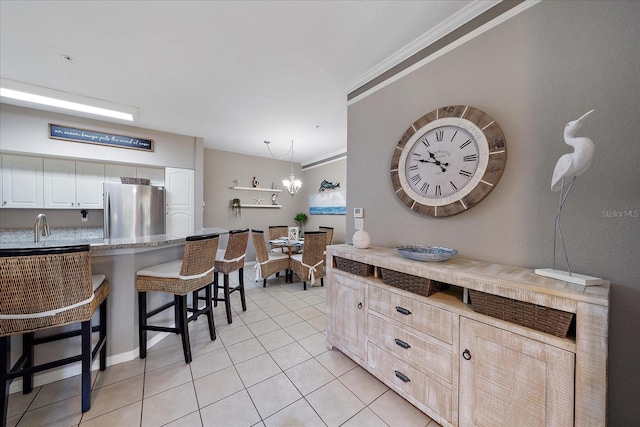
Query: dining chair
[[267, 263], [227, 261], [194, 272], [329, 231], [276, 232], [309, 265], [43, 288]]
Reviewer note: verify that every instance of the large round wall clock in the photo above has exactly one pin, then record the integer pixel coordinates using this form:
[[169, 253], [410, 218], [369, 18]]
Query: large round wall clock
[[448, 161]]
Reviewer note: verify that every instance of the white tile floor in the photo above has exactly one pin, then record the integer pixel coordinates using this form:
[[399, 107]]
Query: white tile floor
[[270, 367]]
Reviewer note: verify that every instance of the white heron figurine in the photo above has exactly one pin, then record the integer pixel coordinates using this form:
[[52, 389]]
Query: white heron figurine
[[568, 168]]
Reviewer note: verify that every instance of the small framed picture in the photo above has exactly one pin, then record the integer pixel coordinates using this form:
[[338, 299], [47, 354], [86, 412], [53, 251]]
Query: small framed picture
[[293, 233]]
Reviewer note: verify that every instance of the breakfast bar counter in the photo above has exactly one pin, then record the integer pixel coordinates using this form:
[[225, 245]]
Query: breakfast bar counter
[[119, 260]]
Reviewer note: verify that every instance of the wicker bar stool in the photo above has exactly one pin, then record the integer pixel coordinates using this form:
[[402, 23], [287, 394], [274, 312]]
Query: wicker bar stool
[[43, 288], [192, 273], [228, 261], [267, 263], [309, 265]]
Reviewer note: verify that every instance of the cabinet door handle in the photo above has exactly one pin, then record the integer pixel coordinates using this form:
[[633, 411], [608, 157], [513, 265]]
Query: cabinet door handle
[[402, 377], [360, 306], [403, 310], [466, 354], [402, 343]]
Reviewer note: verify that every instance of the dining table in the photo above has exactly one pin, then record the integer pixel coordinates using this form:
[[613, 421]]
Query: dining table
[[292, 246]]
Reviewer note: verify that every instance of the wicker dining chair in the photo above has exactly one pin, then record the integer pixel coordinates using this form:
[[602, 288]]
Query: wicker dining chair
[[309, 265], [228, 261], [194, 272], [43, 288], [267, 263], [276, 232], [329, 231]]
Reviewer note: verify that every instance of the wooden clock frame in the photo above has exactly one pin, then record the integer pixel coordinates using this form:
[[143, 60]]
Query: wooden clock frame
[[492, 148]]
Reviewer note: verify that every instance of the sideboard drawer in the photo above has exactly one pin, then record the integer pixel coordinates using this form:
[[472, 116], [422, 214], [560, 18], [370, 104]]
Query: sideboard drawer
[[411, 381], [406, 345], [425, 318]]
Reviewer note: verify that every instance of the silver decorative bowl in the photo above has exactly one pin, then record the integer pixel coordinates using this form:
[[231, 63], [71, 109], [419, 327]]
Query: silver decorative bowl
[[426, 253]]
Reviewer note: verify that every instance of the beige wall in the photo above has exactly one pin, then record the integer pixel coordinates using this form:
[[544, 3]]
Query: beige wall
[[533, 74], [222, 167]]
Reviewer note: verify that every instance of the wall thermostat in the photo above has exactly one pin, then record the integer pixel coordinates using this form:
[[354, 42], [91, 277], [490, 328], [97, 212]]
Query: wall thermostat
[[358, 213]]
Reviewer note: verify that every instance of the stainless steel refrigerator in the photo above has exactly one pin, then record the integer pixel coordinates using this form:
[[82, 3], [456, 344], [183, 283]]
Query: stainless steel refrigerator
[[133, 210]]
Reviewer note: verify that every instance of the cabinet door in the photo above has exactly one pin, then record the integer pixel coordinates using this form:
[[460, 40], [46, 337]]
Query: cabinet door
[[509, 380], [59, 184], [22, 182], [349, 314], [89, 185], [180, 187]]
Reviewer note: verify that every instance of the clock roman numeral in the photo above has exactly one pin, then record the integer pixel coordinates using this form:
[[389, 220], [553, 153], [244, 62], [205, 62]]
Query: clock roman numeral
[[454, 135], [426, 143], [438, 191], [470, 158], [416, 178], [453, 185], [424, 187], [439, 135], [464, 144], [413, 167], [465, 173]]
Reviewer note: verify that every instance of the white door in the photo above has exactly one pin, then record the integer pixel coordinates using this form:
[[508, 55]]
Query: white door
[[180, 188], [22, 182], [89, 183]]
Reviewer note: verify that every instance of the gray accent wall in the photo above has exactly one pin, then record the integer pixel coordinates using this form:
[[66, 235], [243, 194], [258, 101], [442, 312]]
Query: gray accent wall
[[532, 73]]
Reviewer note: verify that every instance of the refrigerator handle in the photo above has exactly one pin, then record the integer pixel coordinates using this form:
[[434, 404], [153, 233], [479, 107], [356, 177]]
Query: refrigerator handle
[[107, 215]]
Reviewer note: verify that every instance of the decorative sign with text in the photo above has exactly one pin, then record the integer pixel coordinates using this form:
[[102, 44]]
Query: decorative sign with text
[[88, 136]]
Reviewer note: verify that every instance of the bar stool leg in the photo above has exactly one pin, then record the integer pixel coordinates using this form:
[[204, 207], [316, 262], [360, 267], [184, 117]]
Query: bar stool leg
[[28, 352], [103, 335], [241, 281], [142, 323], [215, 289], [209, 308], [86, 365], [227, 298], [181, 303], [5, 366]]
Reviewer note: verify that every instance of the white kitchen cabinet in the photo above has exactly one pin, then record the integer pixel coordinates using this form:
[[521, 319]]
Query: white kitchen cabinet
[[59, 184], [180, 188], [69, 184], [508, 380], [89, 185], [22, 182], [464, 368]]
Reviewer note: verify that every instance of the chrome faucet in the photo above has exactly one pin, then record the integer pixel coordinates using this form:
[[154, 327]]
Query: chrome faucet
[[40, 227]]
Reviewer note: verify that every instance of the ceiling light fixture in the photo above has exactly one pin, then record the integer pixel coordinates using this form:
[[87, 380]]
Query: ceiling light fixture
[[292, 185], [25, 94]]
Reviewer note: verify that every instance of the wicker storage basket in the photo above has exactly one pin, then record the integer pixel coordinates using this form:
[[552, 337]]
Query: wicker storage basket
[[354, 267], [408, 282], [137, 181], [543, 319]]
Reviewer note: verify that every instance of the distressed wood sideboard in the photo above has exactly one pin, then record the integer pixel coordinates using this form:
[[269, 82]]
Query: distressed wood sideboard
[[463, 368]]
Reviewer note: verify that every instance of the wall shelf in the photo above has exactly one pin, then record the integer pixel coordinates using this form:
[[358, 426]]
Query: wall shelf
[[270, 190], [260, 206]]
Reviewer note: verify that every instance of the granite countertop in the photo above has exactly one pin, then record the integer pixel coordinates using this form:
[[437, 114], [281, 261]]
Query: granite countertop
[[96, 243]]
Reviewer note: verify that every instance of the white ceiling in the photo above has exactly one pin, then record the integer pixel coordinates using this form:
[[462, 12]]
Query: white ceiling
[[235, 73]]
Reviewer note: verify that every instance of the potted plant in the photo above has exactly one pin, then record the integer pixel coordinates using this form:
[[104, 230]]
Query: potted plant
[[300, 218], [236, 207]]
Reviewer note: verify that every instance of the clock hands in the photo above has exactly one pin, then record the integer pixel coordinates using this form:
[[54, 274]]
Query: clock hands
[[435, 161]]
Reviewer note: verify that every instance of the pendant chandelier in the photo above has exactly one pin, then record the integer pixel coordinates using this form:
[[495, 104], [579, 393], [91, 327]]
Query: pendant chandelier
[[292, 185]]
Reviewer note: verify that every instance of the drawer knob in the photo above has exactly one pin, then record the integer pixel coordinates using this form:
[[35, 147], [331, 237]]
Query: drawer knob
[[402, 377], [466, 354], [359, 306], [403, 310], [402, 343]]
